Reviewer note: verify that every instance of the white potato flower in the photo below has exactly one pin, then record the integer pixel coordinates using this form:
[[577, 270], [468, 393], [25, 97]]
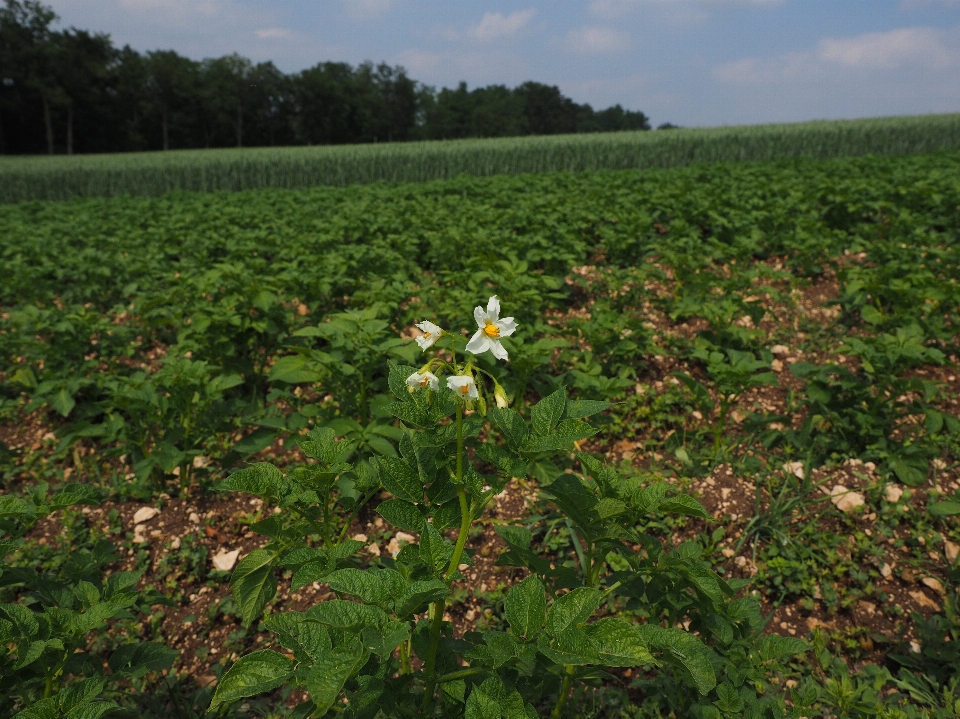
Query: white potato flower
[[422, 380], [491, 329], [464, 386], [431, 333]]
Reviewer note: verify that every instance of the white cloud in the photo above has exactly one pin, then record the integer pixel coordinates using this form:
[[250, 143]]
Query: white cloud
[[922, 4], [174, 11], [275, 33], [593, 40], [924, 48], [494, 26], [887, 50], [367, 9], [688, 9]]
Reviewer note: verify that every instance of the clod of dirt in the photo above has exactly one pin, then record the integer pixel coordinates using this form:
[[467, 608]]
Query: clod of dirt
[[145, 514], [845, 499], [780, 350], [892, 493], [224, 560], [886, 571], [952, 550], [934, 584]]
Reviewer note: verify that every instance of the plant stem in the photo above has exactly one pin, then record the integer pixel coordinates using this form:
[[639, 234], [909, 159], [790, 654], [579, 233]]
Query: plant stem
[[564, 692], [453, 676], [430, 664]]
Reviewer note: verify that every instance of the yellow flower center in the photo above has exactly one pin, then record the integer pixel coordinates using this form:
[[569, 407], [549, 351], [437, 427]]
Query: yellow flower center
[[427, 335], [424, 381], [491, 330], [464, 389]]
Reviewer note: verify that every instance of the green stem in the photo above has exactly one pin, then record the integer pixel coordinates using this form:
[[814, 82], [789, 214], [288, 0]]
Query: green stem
[[405, 657], [354, 513], [564, 692], [48, 686], [453, 676], [430, 665]]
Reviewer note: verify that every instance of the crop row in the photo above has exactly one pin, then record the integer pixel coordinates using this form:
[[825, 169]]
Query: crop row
[[151, 174], [162, 327]]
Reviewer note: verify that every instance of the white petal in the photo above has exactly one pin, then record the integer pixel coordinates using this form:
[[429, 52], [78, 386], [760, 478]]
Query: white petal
[[498, 350], [493, 308], [426, 342], [479, 343], [480, 315], [472, 393], [507, 326]]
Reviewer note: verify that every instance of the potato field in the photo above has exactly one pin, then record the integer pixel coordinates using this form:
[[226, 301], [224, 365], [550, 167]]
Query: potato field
[[710, 468]]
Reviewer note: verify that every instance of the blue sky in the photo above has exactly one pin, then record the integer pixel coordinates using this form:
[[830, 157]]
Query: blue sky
[[689, 62]]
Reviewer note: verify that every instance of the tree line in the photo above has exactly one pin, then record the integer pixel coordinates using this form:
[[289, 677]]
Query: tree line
[[70, 91]]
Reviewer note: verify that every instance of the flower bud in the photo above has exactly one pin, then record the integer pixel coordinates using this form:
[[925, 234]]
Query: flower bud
[[500, 395]]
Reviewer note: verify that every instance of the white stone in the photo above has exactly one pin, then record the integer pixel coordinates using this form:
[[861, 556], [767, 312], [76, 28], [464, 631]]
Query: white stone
[[951, 549], [794, 468], [199, 462], [886, 571], [374, 549], [934, 584], [194, 518], [846, 499], [780, 350], [145, 514], [175, 544], [225, 561], [892, 493], [360, 537]]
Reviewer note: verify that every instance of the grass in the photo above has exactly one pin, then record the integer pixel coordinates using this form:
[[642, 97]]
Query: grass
[[155, 173]]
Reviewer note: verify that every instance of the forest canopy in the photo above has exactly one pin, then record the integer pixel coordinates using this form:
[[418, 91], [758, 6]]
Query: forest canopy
[[71, 90]]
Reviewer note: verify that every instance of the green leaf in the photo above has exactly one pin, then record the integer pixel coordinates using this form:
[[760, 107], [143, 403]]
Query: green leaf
[[307, 639], [683, 504], [330, 672], [683, 648], [256, 441], [525, 606], [871, 315], [480, 705], [943, 509], [346, 615], [294, 369], [580, 408], [773, 646], [911, 473], [400, 479], [571, 646], [546, 413], [261, 479], [397, 380], [90, 710], [729, 700], [346, 549], [402, 514], [572, 609], [135, 660], [363, 585], [253, 674], [42, 709], [511, 424], [254, 583], [63, 402], [619, 643], [312, 571], [419, 593]]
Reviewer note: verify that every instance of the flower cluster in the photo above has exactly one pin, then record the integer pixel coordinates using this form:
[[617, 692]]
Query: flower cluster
[[490, 330]]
